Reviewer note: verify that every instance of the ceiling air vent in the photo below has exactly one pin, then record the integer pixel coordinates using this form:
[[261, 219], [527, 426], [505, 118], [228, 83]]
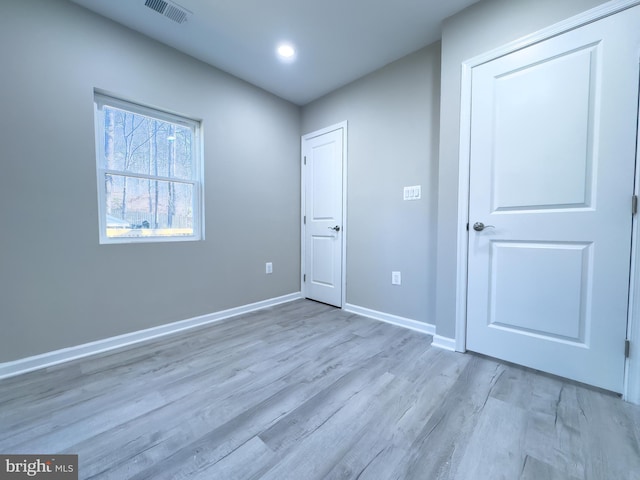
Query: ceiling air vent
[[170, 10]]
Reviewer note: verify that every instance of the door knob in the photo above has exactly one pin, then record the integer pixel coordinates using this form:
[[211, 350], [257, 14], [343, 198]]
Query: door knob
[[336, 228], [479, 226]]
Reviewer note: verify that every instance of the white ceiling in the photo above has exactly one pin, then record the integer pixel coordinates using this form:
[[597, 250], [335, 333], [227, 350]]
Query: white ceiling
[[337, 41]]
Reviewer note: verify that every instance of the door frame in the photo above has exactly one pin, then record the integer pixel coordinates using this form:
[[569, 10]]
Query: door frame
[[303, 186], [632, 364]]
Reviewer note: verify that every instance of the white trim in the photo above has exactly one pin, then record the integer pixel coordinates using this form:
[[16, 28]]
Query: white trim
[[463, 209], [610, 8], [631, 392], [445, 343], [36, 362], [345, 136], [421, 327], [579, 20]]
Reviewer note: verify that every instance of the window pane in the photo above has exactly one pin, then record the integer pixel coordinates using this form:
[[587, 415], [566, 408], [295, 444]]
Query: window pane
[[140, 144], [139, 207]]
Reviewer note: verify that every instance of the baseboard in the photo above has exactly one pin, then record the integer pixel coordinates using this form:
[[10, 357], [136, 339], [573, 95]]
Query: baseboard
[[445, 343], [392, 319], [36, 362]]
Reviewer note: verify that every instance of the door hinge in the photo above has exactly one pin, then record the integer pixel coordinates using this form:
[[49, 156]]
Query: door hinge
[[304, 219], [634, 204], [304, 277], [627, 348], [467, 226], [305, 159]]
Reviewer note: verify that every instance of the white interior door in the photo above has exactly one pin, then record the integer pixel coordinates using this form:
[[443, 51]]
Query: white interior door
[[323, 225], [553, 138]]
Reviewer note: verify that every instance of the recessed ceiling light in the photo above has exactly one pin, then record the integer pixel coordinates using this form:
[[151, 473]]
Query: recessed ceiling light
[[286, 51]]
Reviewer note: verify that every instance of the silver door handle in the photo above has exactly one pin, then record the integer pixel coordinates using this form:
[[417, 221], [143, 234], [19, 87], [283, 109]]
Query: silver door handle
[[479, 226], [336, 228]]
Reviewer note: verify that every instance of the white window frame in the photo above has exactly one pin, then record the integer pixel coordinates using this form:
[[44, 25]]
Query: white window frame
[[100, 101]]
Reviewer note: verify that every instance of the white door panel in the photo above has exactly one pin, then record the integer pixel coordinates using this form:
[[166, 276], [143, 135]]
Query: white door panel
[[530, 104], [323, 211], [322, 248], [552, 171], [527, 278]]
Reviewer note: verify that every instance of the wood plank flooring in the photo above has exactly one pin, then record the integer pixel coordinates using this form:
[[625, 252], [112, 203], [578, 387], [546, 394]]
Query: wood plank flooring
[[304, 391]]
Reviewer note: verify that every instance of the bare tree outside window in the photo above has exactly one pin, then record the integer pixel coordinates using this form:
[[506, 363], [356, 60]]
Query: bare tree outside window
[[148, 173]]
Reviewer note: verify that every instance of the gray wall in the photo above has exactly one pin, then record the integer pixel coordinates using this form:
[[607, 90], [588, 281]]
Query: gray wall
[[480, 28], [58, 286], [393, 122]]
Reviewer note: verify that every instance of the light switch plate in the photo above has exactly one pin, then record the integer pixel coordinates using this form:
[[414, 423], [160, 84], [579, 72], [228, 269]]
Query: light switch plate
[[396, 278], [412, 193]]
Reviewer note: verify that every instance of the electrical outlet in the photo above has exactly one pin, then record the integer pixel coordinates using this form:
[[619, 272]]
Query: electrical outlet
[[268, 268], [396, 278]]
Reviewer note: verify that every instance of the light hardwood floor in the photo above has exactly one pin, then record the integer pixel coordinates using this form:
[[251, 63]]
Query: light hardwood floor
[[304, 391]]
